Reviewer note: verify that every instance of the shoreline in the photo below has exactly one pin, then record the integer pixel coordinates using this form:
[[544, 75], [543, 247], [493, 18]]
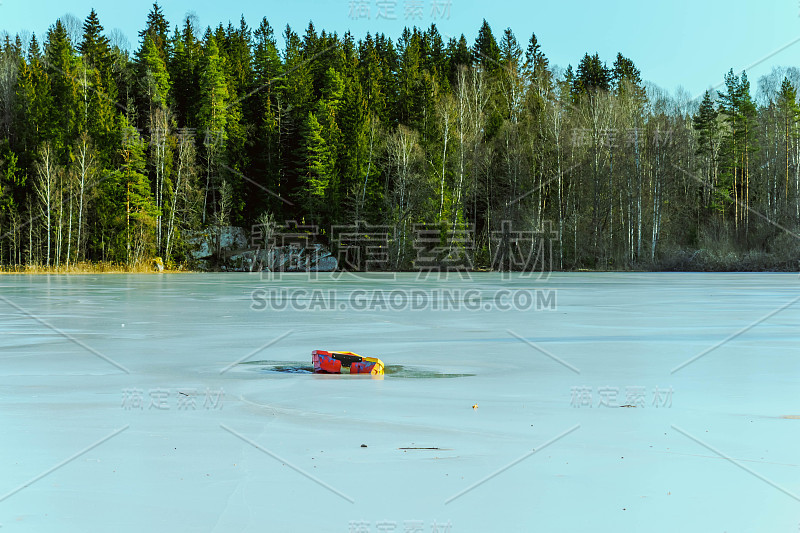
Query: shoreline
[[61, 271]]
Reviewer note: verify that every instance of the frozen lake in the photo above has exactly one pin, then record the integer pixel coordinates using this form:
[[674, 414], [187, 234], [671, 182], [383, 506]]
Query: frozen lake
[[596, 402]]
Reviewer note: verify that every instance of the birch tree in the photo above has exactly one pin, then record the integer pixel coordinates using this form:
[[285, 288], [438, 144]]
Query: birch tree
[[45, 186]]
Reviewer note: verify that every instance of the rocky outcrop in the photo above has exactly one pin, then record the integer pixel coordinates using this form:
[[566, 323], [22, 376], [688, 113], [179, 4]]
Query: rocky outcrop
[[228, 250], [227, 240], [314, 258]]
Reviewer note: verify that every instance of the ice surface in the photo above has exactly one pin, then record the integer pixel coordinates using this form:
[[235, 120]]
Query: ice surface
[[262, 450]]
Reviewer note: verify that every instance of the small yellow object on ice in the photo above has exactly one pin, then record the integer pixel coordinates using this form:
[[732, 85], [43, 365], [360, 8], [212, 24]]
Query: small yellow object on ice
[[475, 406]]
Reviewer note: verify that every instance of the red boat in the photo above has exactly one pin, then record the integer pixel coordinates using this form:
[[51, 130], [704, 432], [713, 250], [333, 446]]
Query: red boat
[[326, 362]]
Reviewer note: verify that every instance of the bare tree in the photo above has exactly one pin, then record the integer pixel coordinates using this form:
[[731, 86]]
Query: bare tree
[[446, 111], [472, 95], [184, 175], [160, 120], [118, 39], [69, 178], [46, 184], [73, 27], [597, 114], [86, 174], [8, 82], [404, 159], [222, 214]]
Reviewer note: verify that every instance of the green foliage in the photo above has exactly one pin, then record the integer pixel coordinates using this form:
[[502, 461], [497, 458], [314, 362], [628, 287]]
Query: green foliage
[[627, 79], [156, 28], [317, 169], [12, 179], [705, 122], [329, 130], [536, 63], [592, 76], [154, 75], [214, 96], [183, 68], [60, 64], [486, 52]]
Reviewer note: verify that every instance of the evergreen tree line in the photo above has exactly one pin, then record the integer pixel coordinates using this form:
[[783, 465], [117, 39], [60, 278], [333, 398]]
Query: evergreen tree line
[[112, 156]]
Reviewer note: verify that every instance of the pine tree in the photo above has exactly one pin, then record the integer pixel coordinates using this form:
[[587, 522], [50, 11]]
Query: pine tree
[[153, 74], [95, 47], [458, 55], [266, 59], [485, 51], [137, 210], [265, 111], [434, 56], [214, 112], [299, 79], [98, 88], [739, 112], [705, 122], [374, 84], [237, 50], [356, 164], [536, 63], [510, 51], [409, 79], [592, 76], [33, 102], [317, 168], [157, 28], [626, 79], [511, 81], [60, 66], [486, 59], [12, 181], [184, 72], [214, 91]]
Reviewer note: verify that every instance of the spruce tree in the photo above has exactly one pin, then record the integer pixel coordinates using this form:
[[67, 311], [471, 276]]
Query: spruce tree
[[154, 76], [592, 76], [157, 28], [536, 63], [409, 79], [184, 67], [137, 209], [299, 78], [485, 51], [626, 79], [317, 169], [705, 123], [60, 66], [458, 55], [96, 49]]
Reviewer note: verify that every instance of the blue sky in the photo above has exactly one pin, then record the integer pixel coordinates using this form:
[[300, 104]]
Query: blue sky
[[689, 43]]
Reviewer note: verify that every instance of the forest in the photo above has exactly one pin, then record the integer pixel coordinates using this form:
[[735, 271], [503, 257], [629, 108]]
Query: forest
[[116, 155]]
